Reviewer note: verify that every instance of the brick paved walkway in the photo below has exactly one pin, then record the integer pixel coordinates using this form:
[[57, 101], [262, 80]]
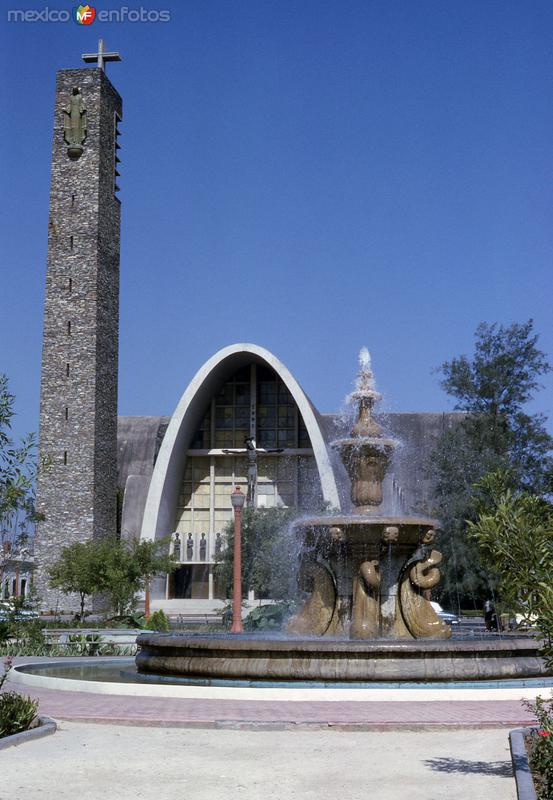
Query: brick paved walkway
[[237, 713], [248, 713]]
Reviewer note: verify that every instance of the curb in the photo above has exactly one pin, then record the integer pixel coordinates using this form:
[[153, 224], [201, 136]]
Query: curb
[[521, 767], [45, 727], [283, 725]]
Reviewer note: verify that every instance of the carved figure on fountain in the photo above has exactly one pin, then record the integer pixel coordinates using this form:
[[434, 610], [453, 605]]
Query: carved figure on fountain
[[390, 534], [316, 615], [365, 622], [420, 574]]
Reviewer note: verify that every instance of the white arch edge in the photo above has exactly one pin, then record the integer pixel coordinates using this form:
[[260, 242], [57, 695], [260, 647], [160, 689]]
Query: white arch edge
[[155, 522]]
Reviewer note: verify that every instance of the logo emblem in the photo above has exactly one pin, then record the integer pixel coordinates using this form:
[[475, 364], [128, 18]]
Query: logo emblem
[[84, 15]]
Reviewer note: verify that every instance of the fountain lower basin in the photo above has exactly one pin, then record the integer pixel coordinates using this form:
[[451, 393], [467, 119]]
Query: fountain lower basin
[[251, 657], [119, 676]]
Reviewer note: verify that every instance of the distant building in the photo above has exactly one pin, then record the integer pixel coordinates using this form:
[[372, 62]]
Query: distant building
[[16, 571]]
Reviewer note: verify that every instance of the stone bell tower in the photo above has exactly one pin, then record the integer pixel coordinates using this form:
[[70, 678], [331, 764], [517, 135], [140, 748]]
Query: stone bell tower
[[78, 396]]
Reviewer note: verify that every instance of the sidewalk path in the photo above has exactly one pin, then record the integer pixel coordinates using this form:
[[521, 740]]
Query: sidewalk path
[[94, 762]]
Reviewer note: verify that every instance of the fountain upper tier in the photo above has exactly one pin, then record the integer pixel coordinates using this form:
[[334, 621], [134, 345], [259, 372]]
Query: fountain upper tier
[[366, 452]]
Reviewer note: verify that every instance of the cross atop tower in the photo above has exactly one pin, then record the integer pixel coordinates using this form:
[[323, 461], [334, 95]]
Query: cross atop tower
[[101, 56]]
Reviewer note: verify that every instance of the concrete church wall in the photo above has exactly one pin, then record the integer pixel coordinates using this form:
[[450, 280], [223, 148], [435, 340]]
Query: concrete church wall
[[140, 438], [138, 443]]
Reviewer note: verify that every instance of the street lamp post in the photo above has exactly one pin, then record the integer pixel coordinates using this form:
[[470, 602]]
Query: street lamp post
[[237, 499], [147, 597]]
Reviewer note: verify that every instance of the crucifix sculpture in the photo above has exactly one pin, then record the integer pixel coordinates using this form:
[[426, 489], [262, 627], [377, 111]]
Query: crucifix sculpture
[[101, 56], [251, 451]]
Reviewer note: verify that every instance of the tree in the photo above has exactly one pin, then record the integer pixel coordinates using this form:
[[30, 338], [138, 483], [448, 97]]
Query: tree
[[514, 531], [270, 554], [17, 468], [152, 558], [492, 389], [119, 575], [110, 567], [77, 570]]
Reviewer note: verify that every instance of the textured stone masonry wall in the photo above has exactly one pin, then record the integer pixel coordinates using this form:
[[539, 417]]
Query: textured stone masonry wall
[[78, 498]]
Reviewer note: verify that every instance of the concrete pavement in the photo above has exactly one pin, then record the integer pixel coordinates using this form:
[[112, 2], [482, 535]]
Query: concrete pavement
[[93, 762]]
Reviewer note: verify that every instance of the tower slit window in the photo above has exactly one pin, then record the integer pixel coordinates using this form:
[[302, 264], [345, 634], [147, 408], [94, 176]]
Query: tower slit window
[[65, 457], [69, 328], [71, 243], [116, 159], [67, 369]]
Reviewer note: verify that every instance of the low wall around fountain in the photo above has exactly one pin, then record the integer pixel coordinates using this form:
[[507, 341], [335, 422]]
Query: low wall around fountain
[[248, 657]]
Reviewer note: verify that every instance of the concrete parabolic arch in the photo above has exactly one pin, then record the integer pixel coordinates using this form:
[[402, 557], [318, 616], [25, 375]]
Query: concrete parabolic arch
[[167, 476]]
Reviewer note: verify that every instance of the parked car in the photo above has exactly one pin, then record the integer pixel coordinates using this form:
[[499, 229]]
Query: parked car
[[446, 616], [8, 612], [524, 622]]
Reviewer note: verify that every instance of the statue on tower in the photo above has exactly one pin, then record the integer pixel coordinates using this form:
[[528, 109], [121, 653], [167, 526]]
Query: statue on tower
[[74, 124]]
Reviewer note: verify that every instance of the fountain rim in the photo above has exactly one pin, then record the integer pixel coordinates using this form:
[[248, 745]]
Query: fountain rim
[[379, 442], [366, 519], [28, 674], [354, 648]]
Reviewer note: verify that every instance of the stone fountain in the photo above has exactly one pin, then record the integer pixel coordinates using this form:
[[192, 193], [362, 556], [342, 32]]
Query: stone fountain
[[367, 577]]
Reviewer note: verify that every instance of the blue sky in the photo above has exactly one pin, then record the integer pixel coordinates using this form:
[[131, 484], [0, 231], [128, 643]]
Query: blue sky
[[308, 176]]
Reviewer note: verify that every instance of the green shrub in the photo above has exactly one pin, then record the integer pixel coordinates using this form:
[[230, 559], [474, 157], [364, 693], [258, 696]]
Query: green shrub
[[5, 631], [158, 621], [540, 747], [25, 634], [16, 713], [268, 617], [89, 644], [136, 620], [77, 645]]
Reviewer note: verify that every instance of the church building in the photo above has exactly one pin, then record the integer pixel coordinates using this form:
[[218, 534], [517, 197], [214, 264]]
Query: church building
[[177, 474]]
